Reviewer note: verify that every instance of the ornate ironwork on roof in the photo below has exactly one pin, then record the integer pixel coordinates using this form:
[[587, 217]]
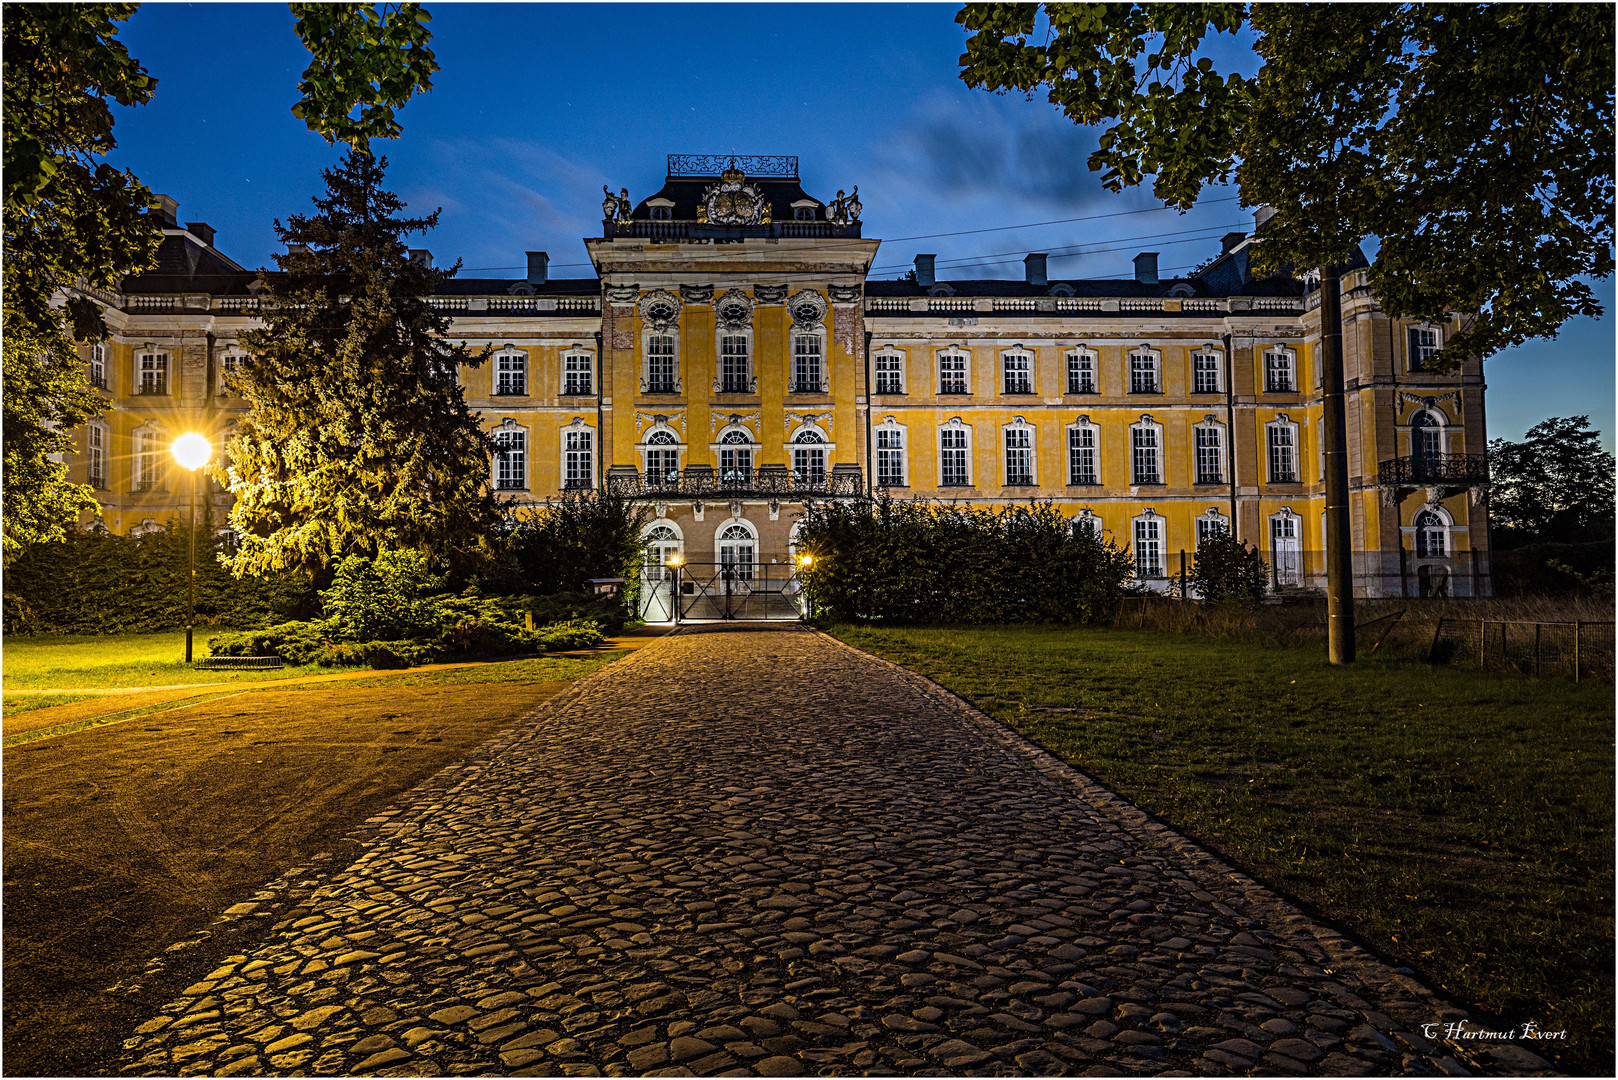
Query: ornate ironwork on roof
[[756, 166]]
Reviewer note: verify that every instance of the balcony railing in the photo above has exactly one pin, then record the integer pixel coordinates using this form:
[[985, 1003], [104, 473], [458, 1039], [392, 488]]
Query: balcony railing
[[511, 390], [733, 384], [688, 230], [159, 388], [810, 386], [737, 483], [1449, 470]]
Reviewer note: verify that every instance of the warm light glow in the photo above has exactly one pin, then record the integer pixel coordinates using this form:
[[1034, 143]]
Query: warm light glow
[[192, 451], [675, 561], [806, 559]]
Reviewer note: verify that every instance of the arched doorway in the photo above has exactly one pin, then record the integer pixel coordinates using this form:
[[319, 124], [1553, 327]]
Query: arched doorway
[[663, 546], [738, 551]]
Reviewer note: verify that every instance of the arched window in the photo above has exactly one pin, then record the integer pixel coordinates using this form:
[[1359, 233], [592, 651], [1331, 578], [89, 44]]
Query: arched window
[[1426, 443], [809, 457], [1432, 536], [662, 544], [737, 550], [662, 457], [735, 455]]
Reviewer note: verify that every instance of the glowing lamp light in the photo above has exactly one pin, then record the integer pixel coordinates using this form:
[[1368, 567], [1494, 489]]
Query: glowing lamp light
[[806, 560], [676, 561], [192, 451]]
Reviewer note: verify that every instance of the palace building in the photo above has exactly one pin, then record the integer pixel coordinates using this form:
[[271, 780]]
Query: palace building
[[732, 359]]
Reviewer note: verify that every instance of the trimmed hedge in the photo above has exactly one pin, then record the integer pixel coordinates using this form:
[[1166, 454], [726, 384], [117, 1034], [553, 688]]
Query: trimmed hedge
[[468, 639], [104, 583]]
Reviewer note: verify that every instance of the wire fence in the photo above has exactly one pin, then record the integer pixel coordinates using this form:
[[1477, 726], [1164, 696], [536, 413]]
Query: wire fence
[[1582, 650]]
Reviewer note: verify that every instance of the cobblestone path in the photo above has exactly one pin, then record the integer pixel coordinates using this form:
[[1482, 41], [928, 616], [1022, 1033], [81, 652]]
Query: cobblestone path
[[765, 853]]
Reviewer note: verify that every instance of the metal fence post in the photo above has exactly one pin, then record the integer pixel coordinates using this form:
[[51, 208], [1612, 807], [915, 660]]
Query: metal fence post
[[1482, 666], [1437, 630], [1536, 647], [1577, 626], [1183, 594]]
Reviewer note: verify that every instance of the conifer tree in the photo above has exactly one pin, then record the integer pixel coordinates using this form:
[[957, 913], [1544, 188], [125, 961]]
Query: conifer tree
[[357, 437]]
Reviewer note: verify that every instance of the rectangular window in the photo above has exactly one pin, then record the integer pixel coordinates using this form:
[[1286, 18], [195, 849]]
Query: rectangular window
[[889, 374], [154, 374], [98, 366], [577, 378], [1143, 373], [1149, 547], [1280, 374], [1081, 456], [735, 370], [1205, 373], [952, 465], [809, 464], [511, 460], [1081, 373], [660, 364], [1019, 379], [96, 456], [1019, 457], [1423, 344], [1144, 451], [578, 459], [736, 462], [148, 462], [808, 377], [511, 374], [662, 465], [1283, 454], [890, 458], [952, 373], [1210, 449], [229, 364], [1209, 527]]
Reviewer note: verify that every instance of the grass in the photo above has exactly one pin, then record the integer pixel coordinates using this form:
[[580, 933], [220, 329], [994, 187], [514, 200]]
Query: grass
[[69, 661], [1459, 823], [20, 704]]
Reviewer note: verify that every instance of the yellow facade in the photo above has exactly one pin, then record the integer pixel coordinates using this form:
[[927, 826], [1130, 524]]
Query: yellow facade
[[1196, 400]]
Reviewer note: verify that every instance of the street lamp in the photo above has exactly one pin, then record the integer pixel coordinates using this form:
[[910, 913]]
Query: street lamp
[[676, 560], [192, 451]]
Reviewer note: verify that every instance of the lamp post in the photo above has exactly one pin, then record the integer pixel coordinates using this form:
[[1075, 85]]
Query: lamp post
[[192, 451], [676, 561], [805, 561]]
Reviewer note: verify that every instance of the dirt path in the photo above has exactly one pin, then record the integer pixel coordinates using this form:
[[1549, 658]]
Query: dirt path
[[122, 839]]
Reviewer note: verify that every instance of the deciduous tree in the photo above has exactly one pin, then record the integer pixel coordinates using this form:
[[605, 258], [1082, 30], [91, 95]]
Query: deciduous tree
[[1555, 485], [357, 437], [367, 61]]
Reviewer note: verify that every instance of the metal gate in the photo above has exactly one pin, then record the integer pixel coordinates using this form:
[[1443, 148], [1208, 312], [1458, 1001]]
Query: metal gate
[[709, 592]]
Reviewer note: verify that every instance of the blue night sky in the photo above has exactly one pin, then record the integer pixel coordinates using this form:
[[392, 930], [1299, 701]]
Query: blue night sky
[[537, 106]]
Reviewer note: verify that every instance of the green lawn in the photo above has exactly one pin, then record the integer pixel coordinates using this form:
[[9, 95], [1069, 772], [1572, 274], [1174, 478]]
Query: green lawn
[[66, 661], [1459, 823]]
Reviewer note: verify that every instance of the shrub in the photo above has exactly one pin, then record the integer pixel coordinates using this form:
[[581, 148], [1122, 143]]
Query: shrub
[[383, 599], [1228, 571], [922, 562], [559, 547], [575, 634], [294, 642]]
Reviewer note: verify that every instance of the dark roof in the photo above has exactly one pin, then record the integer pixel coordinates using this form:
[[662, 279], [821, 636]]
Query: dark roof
[[686, 195], [459, 286], [182, 260], [1016, 287]]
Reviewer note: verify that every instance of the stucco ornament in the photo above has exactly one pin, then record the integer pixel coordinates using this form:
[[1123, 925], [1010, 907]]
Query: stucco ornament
[[807, 309], [733, 201], [734, 310], [660, 309]]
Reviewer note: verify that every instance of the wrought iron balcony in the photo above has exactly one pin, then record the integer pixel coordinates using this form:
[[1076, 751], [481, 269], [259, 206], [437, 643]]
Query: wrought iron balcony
[[511, 390], [810, 386], [733, 384], [1434, 470], [736, 483]]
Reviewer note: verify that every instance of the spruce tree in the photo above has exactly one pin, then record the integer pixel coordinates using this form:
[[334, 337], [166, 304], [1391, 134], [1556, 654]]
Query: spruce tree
[[357, 437]]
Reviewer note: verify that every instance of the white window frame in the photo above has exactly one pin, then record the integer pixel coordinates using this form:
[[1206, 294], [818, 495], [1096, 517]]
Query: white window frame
[[1280, 370], [1020, 438], [892, 453], [230, 362], [1018, 380], [1085, 519], [726, 382], [1139, 456], [149, 472], [98, 366], [1217, 368], [894, 359], [162, 366], [735, 439], [648, 384], [1286, 573], [570, 437], [1281, 453], [955, 426], [96, 437], [798, 383], [1154, 368], [1149, 545], [745, 571], [1080, 431], [1086, 364], [1438, 425], [1199, 474], [1417, 354], [578, 367], [658, 549], [954, 353], [807, 468], [510, 373], [506, 477], [1211, 521], [1424, 532], [660, 439]]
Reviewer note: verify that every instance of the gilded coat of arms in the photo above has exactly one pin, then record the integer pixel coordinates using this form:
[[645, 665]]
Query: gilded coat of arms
[[733, 201]]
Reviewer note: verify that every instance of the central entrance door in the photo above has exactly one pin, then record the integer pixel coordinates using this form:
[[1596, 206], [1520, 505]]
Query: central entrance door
[[739, 589]]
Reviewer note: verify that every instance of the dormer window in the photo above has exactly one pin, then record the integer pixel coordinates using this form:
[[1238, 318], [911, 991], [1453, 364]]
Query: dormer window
[[803, 213], [662, 213]]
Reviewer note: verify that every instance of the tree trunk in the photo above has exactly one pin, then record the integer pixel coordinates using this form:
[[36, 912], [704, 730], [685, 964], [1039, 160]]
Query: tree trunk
[[1339, 549]]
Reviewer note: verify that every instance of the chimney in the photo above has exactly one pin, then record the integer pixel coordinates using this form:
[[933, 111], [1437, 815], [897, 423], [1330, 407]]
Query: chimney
[[1228, 243], [925, 276], [421, 257], [1034, 269], [167, 211], [538, 266], [201, 230], [1146, 268], [1262, 215]]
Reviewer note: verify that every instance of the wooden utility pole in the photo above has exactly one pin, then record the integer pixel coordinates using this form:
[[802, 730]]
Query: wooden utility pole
[[1339, 553]]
